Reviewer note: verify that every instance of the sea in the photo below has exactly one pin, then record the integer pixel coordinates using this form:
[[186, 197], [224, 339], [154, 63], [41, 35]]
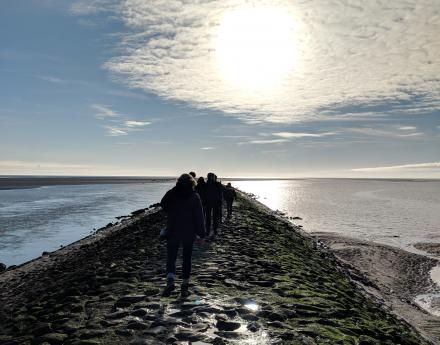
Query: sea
[[45, 216]]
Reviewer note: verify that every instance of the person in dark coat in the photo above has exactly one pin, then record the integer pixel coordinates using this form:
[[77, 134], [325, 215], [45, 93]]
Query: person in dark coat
[[185, 222], [201, 190], [229, 195], [213, 191]]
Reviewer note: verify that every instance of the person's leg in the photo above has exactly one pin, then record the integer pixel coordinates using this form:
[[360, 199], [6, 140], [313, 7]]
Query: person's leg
[[216, 218], [172, 249], [208, 219], [229, 207], [186, 268]]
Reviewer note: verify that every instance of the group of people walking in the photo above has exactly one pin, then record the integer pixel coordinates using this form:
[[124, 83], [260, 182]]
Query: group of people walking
[[192, 209]]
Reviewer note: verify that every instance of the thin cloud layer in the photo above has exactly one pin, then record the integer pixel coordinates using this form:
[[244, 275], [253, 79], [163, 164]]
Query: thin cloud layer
[[349, 53], [434, 165]]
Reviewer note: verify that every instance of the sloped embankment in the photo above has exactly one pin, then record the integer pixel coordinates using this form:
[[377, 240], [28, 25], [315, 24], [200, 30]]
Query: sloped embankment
[[260, 282]]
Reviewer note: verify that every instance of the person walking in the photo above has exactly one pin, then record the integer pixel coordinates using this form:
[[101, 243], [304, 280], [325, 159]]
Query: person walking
[[229, 195], [213, 203], [185, 221], [201, 190]]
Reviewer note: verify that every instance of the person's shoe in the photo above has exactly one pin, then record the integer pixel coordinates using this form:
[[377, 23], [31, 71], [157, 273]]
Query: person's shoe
[[169, 288], [184, 290]]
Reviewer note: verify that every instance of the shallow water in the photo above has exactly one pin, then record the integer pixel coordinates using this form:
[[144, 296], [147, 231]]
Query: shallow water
[[396, 213], [42, 219]]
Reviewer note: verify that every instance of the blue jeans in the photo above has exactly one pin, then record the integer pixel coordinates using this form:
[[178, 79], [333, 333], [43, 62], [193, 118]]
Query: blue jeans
[[172, 250]]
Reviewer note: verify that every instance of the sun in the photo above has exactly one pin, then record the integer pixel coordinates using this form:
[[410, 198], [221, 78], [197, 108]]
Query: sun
[[256, 47]]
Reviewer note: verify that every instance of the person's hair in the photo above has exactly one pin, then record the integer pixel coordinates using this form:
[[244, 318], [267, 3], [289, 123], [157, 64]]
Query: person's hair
[[211, 177], [200, 180], [193, 174], [186, 181], [229, 184]]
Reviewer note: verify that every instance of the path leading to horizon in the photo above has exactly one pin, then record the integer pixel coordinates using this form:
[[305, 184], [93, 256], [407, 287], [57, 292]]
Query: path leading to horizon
[[259, 282]]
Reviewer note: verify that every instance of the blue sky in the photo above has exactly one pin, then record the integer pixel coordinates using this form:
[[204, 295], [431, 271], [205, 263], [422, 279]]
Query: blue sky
[[133, 87]]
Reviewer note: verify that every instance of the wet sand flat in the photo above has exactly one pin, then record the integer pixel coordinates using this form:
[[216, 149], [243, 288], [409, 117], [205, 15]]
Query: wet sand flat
[[262, 281], [393, 275], [34, 182]]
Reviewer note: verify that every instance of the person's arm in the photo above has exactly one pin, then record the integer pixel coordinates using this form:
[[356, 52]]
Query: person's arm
[[199, 217], [165, 202], [235, 194]]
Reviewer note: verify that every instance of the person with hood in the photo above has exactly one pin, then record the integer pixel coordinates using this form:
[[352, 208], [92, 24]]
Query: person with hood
[[213, 194], [200, 189], [229, 195], [185, 221]]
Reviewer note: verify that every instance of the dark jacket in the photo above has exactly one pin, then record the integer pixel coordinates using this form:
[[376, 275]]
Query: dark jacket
[[201, 190], [229, 193], [185, 215], [214, 191]]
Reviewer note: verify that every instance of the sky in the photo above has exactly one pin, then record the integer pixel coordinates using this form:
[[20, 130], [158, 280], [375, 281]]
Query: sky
[[316, 88]]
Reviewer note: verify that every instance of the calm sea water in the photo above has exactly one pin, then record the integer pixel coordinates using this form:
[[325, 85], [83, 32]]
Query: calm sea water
[[41, 219], [399, 213], [393, 212]]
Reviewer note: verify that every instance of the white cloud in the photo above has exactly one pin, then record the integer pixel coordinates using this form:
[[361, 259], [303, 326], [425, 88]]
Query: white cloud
[[207, 148], [131, 123], [407, 128], [379, 132], [350, 52], [50, 79], [434, 165], [115, 132], [6, 165], [294, 135], [103, 111], [264, 142]]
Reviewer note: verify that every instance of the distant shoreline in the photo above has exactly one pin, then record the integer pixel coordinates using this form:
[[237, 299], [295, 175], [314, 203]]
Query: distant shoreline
[[19, 182], [8, 182]]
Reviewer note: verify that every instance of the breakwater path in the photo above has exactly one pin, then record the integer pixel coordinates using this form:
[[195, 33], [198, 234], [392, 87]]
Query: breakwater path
[[260, 282]]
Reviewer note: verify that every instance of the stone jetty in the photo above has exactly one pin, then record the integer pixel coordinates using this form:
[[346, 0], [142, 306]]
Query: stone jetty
[[262, 281]]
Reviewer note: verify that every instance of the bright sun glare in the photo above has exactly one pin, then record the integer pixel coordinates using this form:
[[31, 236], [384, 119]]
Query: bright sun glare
[[256, 47]]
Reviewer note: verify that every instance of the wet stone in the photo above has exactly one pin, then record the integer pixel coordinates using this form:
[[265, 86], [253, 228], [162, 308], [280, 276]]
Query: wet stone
[[117, 314], [54, 338], [227, 325], [93, 333], [253, 327], [156, 330], [139, 312], [189, 336], [138, 325]]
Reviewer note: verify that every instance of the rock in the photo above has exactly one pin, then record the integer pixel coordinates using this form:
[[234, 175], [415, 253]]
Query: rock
[[93, 333], [45, 254], [117, 314], [54, 338], [200, 327], [227, 325], [253, 327], [125, 301], [156, 330], [137, 325], [2, 267], [139, 312], [189, 336]]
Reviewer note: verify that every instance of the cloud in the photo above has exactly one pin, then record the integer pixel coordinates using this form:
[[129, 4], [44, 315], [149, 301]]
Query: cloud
[[379, 132], [50, 79], [115, 132], [131, 123], [264, 142], [349, 53], [434, 165], [103, 111], [294, 135], [207, 148], [6, 165], [408, 128]]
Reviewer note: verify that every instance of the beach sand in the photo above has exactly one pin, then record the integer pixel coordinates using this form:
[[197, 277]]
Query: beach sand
[[393, 275], [262, 281]]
